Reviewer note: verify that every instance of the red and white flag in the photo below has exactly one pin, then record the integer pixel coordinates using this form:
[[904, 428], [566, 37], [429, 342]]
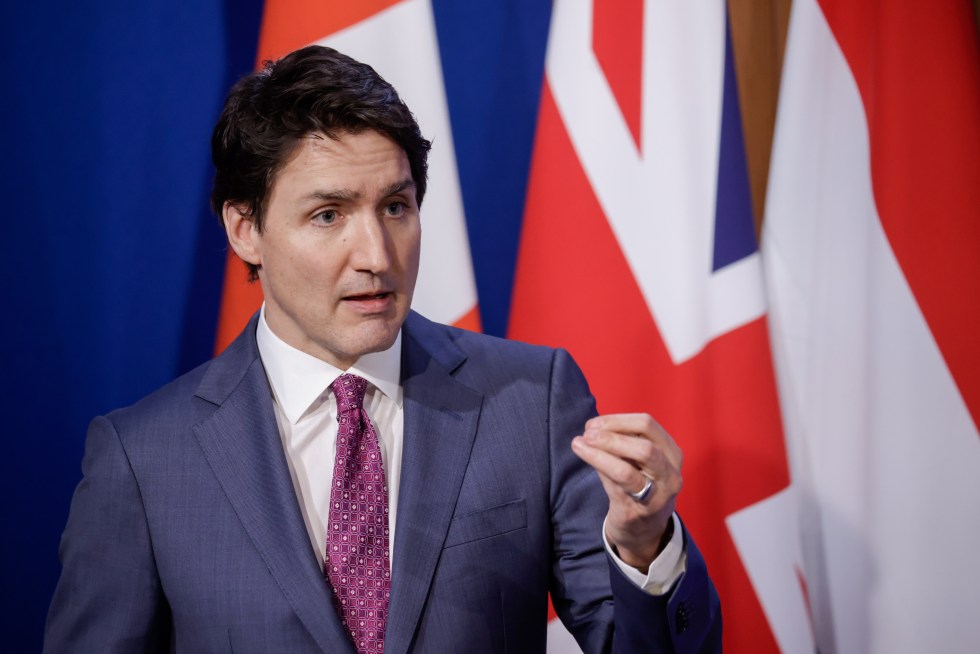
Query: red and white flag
[[872, 255], [638, 255], [366, 30]]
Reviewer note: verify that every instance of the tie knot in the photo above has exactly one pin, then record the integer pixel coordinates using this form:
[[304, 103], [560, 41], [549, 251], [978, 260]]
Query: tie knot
[[349, 391]]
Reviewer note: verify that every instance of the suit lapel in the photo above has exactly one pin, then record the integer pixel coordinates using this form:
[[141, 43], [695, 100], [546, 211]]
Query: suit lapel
[[241, 443], [441, 416]]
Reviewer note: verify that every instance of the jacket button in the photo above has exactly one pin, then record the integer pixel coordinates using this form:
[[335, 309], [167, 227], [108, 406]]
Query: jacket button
[[681, 619]]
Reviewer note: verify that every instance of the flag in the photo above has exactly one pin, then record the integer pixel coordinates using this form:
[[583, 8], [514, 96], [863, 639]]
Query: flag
[[446, 290], [871, 245], [639, 256]]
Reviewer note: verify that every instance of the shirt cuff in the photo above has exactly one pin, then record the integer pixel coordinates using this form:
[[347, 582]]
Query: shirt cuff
[[665, 569]]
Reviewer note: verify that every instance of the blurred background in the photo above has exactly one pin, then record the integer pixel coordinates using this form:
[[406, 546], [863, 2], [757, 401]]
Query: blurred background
[[601, 177]]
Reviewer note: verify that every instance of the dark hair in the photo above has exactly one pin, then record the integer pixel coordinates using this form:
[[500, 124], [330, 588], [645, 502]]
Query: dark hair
[[315, 89]]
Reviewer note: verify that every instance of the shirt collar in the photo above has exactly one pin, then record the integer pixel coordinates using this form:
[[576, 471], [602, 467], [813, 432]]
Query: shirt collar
[[298, 379]]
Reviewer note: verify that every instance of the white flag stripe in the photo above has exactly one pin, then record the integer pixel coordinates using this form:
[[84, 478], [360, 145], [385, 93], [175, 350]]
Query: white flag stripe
[[765, 535], [400, 43], [883, 449], [660, 202], [560, 640]]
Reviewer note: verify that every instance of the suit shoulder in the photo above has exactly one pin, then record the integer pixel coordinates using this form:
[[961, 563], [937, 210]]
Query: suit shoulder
[[488, 362], [172, 403], [476, 345], [195, 394]]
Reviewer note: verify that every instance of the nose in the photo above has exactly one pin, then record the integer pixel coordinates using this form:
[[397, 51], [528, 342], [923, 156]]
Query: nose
[[371, 246]]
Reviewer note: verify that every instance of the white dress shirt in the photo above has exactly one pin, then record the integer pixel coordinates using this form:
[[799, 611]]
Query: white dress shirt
[[306, 413]]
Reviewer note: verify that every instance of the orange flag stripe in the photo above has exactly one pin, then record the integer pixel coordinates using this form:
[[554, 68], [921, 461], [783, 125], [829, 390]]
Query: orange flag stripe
[[291, 24]]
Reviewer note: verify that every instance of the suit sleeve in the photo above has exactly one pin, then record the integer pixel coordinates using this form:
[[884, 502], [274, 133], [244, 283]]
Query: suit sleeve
[[108, 598], [603, 609]]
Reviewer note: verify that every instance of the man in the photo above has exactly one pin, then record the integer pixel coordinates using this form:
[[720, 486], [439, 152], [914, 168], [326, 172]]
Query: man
[[349, 476]]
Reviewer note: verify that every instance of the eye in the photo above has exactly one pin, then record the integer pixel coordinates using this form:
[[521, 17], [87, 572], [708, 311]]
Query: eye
[[395, 208], [325, 217]]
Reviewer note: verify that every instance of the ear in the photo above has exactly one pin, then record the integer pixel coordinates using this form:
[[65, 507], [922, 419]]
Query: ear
[[243, 236]]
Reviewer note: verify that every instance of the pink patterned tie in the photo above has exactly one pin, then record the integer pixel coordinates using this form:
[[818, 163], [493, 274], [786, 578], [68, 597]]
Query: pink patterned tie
[[357, 564]]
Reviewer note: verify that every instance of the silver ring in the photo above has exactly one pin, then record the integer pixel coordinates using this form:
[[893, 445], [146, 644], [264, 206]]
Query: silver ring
[[643, 493]]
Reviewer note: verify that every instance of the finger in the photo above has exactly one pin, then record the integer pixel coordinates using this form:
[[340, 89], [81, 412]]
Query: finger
[[629, 423], [626, 476], [643, 452], [650, 504], [646, 456], [642, 425]]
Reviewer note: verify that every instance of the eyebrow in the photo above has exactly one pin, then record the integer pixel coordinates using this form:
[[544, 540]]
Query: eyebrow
[[348, 195], [398, 187], [340, 195]]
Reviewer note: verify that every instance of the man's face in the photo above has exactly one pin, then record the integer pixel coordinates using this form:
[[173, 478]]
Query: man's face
[[339, 249]]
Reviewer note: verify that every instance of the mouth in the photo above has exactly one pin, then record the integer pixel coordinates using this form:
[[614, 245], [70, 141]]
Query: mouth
[[370, 302], [367, 297]]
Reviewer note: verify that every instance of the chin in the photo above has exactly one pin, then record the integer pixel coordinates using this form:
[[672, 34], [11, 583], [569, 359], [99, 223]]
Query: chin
[[377, 337]]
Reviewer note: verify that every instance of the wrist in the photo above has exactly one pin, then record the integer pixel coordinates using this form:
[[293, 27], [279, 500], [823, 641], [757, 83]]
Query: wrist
[[640, 555]]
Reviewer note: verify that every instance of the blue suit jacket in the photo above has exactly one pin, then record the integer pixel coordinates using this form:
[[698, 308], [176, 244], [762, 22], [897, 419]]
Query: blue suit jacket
[[185, 533]]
